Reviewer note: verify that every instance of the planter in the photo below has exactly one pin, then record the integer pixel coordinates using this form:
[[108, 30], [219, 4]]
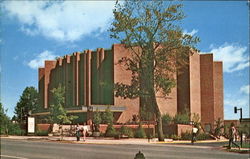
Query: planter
[[96, 134], [50, 134]]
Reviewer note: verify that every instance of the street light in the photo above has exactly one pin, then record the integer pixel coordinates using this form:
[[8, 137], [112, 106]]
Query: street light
[[235, 111]]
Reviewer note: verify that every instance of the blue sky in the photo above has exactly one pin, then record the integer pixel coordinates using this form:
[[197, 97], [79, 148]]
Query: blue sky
[[32, 32]]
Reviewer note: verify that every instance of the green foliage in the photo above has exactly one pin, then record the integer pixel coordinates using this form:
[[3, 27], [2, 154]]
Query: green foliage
[[175, 137], [166, 119], [196, 119], [218, 127], [181, 118], [28, 102], [57, 112], [14, 129], [245, 129], [126, 131], [97, 119], [5, 121], [107, 116], [7, 127], [186, 136], [42, 133], [140, 133], [110, 132], [203, 136]]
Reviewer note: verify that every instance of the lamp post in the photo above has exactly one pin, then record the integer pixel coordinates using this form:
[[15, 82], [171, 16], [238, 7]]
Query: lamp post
[[235, 111]]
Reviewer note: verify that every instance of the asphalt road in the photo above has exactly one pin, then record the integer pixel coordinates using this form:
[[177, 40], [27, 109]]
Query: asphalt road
[[26, 149]]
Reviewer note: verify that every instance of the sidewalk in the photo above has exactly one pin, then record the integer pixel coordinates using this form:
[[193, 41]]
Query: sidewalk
[[102, 140]]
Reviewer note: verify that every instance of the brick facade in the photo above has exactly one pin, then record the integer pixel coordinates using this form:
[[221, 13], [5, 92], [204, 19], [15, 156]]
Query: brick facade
[[88, 79]]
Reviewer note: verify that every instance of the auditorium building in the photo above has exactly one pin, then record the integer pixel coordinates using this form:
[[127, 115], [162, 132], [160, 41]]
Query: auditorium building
[[89, 76]]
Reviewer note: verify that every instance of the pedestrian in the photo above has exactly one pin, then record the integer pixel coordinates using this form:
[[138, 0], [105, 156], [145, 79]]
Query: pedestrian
[[194, 133], [232, 136], [78, 132], [85, 130]]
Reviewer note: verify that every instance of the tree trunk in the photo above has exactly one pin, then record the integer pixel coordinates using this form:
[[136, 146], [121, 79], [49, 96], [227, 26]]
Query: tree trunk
[[158, 119]]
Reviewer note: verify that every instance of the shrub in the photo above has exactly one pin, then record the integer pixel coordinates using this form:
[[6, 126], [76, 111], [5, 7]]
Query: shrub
[[182, 118], [126, 131], [186, 136], [110, 132], [42, 133], [140, 133], [203, 136], [166, 119], [175, 137], [15, 129]]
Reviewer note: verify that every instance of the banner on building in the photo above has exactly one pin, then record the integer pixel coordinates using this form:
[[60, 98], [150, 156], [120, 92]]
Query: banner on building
[[31, 125]]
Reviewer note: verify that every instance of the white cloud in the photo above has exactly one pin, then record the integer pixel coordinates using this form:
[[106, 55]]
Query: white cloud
[[245, 89], [61, 20], [234, 56], [240, 102], [39, 60], [194, 31]]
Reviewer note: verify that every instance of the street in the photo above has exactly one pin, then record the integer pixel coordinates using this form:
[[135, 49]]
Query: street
[[25, 149]]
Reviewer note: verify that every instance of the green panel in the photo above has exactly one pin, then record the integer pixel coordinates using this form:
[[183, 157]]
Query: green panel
[[107, 71], [94, 79], [81, 79]]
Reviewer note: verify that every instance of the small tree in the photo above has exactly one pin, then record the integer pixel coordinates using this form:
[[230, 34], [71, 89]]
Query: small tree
[[107, 116], [57, 112], [97, 119], [218, 127]]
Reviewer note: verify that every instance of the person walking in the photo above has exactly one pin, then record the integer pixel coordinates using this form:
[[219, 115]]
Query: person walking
[[78, 132], [232, 136], [194, 133], [85, 130]]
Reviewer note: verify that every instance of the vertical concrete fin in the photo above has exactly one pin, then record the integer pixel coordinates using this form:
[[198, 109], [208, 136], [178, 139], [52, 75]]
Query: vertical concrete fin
[[88, 82]]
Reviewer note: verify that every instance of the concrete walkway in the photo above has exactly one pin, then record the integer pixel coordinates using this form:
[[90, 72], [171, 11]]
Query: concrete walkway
[[102, 140]]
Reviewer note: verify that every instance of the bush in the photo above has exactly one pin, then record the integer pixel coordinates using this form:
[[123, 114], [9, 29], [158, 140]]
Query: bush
[[15, 129], [186, 136], [203, 136], [166, 119], [175, 137], [140, 133], [127, 131], [42, 133], [110, 132], [182, 118]]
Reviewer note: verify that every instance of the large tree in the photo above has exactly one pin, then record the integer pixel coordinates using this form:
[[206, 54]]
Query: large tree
[[28, 102], [151, 30]]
